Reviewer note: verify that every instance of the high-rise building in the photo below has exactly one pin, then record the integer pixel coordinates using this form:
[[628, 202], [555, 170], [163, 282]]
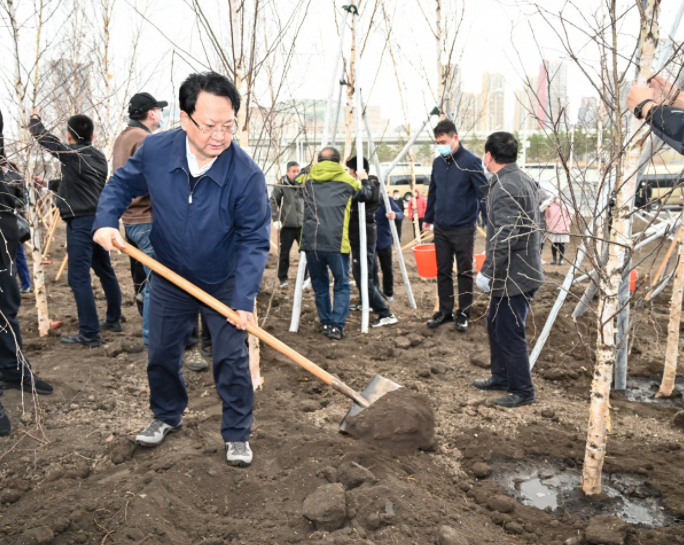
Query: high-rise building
[[553, 94], [469, 112], [587, 116], [492, 98], [526, 104]]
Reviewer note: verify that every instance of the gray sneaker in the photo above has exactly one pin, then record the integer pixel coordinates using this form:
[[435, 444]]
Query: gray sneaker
[[239, 454], [154, 434], [194, 360]]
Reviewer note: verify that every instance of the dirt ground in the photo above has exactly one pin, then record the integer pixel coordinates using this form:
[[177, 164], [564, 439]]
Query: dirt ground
[[69, 473]]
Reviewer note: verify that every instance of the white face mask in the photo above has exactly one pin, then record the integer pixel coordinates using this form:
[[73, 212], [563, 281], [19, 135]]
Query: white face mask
[[161, 118]]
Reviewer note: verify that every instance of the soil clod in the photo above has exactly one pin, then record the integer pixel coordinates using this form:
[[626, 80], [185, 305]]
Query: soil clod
[[401, 421], [606, 530], [450, 536], [326, 507]]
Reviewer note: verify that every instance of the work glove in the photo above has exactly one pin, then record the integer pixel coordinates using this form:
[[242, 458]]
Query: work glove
[[484, 283], [277, 225]]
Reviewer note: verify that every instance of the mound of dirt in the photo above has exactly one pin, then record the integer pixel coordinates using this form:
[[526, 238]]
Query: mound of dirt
[[401, 421]]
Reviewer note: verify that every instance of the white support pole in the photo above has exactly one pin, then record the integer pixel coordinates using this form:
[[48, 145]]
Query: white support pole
[[363, 243], [301, 267], [388, 208], [333, 140]]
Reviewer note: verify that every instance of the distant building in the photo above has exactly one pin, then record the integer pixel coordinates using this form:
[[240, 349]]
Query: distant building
[[553, 94], [526, 105], [469, 112], [492, 99], [587, 116]]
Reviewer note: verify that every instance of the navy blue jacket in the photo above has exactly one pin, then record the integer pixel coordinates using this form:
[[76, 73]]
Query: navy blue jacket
[[384, 231], [219, 232], [456, 190]]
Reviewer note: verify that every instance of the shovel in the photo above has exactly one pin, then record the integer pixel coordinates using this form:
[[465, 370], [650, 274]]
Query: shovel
[[377, 387]]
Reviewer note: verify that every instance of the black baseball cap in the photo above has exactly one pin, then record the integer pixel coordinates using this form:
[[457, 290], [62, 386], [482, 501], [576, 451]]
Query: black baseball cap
[[144, 102]]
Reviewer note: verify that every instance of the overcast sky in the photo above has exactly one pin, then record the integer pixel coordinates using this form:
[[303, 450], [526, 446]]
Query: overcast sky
[[504, 36]]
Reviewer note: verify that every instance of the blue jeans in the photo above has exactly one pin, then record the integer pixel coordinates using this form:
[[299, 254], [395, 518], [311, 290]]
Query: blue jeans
[[85, 253], [507, 343], [22, 268], [173, 314], [140, 234], [335, 314]]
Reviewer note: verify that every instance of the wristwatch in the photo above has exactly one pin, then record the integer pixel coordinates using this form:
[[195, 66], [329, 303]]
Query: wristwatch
[[640, 106]]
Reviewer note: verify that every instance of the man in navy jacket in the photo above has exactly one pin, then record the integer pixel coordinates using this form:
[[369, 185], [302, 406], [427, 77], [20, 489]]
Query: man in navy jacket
[[384, 247], [211, 226], [454, 200]]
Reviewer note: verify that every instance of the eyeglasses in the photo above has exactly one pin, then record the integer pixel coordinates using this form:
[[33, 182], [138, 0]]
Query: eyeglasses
[[212, 129]]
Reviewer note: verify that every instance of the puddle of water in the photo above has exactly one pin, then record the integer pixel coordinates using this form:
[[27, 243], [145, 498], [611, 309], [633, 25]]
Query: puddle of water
[[545, 486], [538, 494], [644, 389]]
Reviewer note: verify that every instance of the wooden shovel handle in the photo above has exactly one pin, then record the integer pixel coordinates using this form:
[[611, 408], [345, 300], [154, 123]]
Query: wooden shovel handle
[[255, 330]]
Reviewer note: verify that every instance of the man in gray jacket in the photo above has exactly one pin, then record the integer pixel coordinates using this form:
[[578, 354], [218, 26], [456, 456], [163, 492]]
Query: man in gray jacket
[[287, 206], [512, 270]]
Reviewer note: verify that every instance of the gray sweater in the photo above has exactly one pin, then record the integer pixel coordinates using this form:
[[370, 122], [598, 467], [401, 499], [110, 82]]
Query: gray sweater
[[513, 259]]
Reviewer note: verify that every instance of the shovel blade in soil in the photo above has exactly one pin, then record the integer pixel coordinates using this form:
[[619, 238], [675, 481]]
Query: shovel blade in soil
[[377, 388]]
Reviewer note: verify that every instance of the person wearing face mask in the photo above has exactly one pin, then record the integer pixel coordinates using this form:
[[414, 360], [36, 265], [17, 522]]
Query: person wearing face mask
[[144, 117], [455, 198], [512, 271]]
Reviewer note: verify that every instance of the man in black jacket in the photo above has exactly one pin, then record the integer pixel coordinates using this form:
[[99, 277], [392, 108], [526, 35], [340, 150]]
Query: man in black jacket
[[377, 303], [83, 176], [454, 200], [15, 371], [652, 104]]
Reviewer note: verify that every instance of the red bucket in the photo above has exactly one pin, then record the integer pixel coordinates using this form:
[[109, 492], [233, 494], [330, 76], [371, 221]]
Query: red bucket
[[633, 275], [426, 260], [479, 261]]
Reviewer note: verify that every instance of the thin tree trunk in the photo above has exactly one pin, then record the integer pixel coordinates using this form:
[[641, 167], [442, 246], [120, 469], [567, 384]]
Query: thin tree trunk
[[608, 299], [351, 85], [672, 352], [34, 218]]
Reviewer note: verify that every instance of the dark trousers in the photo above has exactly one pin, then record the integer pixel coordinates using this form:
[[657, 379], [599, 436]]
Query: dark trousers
[[194, 337], [377, 303], [458, 243], [288, 236], [558, 247], [398, 224], [173, 313], [23, 268], [507, 343], [138, 275], [319, 263], [84, 253], [384, 258], [10, 300]]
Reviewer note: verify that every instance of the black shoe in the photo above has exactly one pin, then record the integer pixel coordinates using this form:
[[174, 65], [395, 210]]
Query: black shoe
[[335, 333], [356, 307], [439, 319], [13, 379], [461, 322], [25, 290], [90, 342], [5, 424], [116, 327], [511, 401], [325, 330], [560, 261], [554, 262], [488, 384], [284, 283]]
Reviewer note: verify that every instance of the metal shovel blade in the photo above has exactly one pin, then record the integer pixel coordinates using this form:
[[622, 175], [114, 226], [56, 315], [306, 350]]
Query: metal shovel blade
[[376, 388]]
